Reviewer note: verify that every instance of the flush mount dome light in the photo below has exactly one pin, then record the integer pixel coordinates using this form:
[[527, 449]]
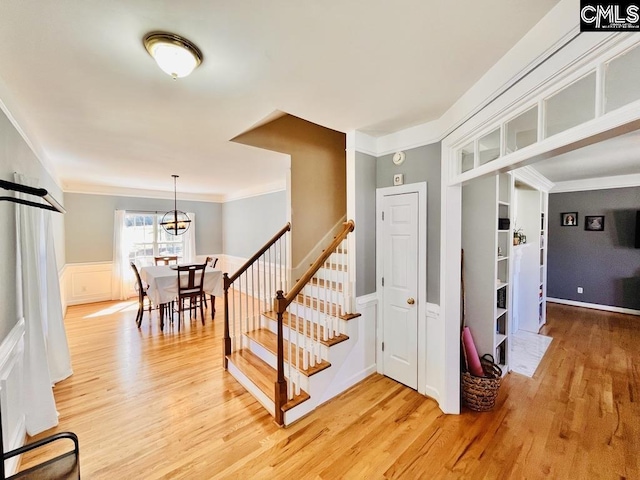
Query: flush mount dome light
[[174, 54]]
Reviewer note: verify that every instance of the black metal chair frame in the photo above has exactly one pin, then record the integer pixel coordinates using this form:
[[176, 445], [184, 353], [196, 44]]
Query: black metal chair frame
[[41, 467]]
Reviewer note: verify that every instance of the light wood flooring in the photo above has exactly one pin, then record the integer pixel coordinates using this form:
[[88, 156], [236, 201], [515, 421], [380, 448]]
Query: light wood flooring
[[150, 405]]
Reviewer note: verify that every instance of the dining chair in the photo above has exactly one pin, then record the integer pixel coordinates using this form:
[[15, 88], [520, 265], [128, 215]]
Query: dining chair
[[211, 262], [191, 287], [166, 260], [142, 294]]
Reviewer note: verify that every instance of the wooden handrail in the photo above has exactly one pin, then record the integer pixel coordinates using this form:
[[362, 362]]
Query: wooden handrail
[[229, 280], [282, 302]]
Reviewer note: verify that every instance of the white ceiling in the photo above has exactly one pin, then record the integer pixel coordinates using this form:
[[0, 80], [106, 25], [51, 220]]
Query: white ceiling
[[78, 80], [609, 158]]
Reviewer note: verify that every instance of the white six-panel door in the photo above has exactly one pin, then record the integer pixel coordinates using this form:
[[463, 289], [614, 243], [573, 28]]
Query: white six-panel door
[[400, 289]]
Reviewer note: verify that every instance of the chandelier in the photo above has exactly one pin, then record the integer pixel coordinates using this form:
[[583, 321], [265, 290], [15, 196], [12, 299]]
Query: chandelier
[[175, 222]]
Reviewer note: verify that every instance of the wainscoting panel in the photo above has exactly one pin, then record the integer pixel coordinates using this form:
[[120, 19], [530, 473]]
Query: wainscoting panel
[[11, 388], [86, 282]]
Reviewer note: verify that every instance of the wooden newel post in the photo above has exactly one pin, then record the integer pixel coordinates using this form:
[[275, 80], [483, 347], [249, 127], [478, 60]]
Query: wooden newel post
[[280, 306], [226, 345]]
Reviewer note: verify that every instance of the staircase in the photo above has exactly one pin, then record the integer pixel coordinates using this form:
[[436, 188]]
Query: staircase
[[287, 349]]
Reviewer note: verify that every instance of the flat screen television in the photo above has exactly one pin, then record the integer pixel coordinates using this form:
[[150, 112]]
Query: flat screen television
[[638, 229]]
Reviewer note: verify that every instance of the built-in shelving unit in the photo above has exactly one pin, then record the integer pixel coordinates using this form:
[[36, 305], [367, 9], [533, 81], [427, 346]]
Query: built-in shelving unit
[[487, 244], [529, 276]]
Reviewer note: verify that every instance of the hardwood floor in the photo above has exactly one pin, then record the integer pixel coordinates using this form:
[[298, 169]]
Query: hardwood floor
[[150, 405]]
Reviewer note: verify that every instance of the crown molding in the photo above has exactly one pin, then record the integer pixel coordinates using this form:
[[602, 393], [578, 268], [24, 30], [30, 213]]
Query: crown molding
[[603, 183], [256, 191], [37, 150], [363, 143], [534, 178], [88, 189]]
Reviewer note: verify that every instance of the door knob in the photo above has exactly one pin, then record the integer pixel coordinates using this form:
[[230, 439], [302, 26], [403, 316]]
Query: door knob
[[411, 301]]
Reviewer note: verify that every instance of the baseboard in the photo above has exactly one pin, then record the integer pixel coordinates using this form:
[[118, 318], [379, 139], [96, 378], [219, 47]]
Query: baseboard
[[595, 306], [11, 392], [432, 393]]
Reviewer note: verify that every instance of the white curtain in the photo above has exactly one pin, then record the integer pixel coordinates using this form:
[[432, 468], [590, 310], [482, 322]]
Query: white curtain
[[46, 356], [121, 276], [190, 240]]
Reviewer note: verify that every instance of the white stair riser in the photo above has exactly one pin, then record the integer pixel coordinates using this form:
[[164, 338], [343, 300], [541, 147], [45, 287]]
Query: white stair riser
[[332, 275], [321, 293], [339, 258], [309, 313], [252, 388], [273, 326]]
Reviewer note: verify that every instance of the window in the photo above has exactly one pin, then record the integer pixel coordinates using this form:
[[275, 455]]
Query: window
[[145, 238]]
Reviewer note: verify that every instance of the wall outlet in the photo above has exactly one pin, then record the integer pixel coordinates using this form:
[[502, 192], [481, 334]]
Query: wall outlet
[[580, 290]]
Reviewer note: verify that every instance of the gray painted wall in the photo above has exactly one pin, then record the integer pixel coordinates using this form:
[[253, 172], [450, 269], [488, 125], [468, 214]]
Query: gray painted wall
[[249, 222], [421, 164], [365, 224], [89, 224], [604, 263], [16, 156]]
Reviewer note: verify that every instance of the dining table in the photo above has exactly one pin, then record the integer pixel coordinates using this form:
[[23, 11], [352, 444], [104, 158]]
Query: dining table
[[163, 283]]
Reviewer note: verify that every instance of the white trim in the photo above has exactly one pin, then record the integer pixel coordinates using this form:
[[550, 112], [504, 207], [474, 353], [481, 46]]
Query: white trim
[[595, 306], [603, 183], [363, 143], [39, 153], [11, 392], [86, 283], [366, 300], [89, 189], [421, 189], [256, 191], [533, 178]]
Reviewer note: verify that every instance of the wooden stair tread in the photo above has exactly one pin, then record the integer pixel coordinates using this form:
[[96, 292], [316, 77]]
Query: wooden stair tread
[[269, 340], [314, 303], [298, 324], [263, 376]]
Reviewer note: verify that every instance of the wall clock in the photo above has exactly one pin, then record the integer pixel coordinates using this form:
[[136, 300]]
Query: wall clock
[[398, 158]]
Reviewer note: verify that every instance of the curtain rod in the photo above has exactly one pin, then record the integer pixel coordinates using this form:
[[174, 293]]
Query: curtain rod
[[54, 205]]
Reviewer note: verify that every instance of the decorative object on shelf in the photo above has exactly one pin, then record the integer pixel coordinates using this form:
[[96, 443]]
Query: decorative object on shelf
[[175, 222], [500, 251], [594, 223], [504, 223], [519, 237], [398, 158], [569, 219], [175, 55], [502, 298]]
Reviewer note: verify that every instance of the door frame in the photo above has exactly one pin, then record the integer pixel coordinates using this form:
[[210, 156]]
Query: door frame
[[421, 189]]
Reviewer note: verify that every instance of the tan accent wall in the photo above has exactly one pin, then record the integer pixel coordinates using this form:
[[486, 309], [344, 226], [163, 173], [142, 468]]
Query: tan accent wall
[[318, 176]]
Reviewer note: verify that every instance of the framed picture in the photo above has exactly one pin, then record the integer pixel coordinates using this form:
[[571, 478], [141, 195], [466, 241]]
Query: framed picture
[[594, 223], [569, 219]]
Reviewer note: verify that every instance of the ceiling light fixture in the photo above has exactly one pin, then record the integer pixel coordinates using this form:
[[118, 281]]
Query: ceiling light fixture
[[174, 54], [175, 222]]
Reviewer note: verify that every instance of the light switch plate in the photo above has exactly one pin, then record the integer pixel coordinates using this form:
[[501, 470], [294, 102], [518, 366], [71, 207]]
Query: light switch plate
[[398, 179]]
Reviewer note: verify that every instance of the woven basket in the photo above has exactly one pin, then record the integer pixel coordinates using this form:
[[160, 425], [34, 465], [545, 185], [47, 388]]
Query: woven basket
[[480, 393]]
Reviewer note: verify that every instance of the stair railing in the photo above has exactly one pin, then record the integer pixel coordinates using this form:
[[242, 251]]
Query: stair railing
[[312, 313], [254, 285]]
